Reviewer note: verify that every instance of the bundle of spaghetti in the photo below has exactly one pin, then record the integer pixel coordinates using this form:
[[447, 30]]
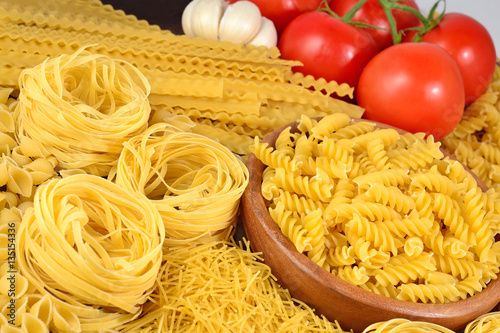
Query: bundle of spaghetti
[[94, 248], [80, 108], [222, 287], [486, 323], [194, 182], [476, 140]]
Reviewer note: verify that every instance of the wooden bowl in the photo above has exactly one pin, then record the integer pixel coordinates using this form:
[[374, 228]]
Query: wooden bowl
[[354, 308]]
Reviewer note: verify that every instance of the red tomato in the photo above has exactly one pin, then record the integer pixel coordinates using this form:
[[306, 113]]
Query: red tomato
[[413, 86], [372, 13], [282, 12], [327, 47], [470, 45]]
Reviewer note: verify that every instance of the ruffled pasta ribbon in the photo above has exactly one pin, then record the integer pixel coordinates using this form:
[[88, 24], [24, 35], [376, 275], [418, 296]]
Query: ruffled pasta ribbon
[[194, 182], [80, 108], [91, 244]]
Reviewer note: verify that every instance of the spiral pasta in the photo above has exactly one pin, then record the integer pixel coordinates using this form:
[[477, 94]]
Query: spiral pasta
[[80, 108], [388, 212], [475, 140], [193, 181]]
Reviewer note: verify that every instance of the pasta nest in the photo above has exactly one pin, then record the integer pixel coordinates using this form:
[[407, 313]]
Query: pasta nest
[[194, 182], [88, 241], [80, 108]]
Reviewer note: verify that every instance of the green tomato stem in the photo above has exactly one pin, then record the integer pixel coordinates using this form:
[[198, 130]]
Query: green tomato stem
[[350, 14]]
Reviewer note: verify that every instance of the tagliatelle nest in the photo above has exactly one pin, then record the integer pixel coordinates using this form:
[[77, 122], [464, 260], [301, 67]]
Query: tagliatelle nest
[[80, 108]]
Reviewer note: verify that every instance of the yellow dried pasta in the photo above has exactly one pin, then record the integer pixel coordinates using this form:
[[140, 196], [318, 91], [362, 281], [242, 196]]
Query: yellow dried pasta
[[489, 322], [399, 325], [89, 243], [375, 223], [80, 108], [476, 140], [236, 84], [194, 182], [223, 287]]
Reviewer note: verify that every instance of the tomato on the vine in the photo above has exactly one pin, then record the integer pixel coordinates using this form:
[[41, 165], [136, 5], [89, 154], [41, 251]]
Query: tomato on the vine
[[470, 45], [327, 47], [413, 86], [282, 12], [373, 14]]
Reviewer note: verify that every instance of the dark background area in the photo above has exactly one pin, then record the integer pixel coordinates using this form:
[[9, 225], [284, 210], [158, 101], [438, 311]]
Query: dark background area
[[165, 13]]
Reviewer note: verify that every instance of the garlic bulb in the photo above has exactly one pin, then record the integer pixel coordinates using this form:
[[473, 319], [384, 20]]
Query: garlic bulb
[[240, 22]]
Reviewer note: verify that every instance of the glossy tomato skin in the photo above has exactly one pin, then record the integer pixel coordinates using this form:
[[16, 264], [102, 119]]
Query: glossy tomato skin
[[413, 86], [327, 47], [372, 13], [282, 12], [470, 45]]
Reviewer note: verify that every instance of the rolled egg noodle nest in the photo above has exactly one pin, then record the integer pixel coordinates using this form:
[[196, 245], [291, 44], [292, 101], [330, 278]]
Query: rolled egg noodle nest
[[91, 244], [194, 182], [80, 108]]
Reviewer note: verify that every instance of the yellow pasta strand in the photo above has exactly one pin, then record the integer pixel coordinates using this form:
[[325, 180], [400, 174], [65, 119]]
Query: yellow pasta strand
[[80, 108], [223, 287], [194, 182], [88, 241]]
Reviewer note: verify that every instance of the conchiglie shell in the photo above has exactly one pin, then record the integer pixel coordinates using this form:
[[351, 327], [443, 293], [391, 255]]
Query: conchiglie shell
[[20, 181], [4, 300], [31, 148], [4, 241], [39, 177], [9, 199], [5, 94], [20, 311], [21, 285], [41, 164], [18, 156], [65, 320], [6, 122], [31, 323], [8, 216], [4, 175], [11, 329], [3, 319], [6, 139], [43, 309]]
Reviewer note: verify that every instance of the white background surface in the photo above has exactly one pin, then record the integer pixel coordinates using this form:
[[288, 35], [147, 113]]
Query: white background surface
[[487, 12]]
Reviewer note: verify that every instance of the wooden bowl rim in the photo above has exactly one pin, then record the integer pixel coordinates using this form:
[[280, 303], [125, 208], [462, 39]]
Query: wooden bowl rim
[[483, 301]]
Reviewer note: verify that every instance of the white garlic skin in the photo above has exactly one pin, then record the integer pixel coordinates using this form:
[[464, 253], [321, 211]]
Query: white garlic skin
[[239, 22]]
